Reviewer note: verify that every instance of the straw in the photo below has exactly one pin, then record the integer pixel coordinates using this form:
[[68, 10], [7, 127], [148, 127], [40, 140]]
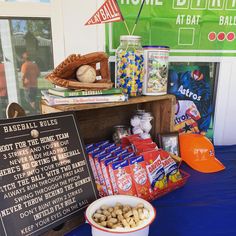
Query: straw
[[136, 22], [126, 26]]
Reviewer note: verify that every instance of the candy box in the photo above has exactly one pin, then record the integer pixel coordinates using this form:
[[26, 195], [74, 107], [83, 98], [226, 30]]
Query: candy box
[[121, 177], [171, 169], [155, 170], [140, 176], [105, 171]]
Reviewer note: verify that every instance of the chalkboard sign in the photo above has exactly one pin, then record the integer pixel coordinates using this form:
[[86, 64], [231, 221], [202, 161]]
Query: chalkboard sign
[[45, 177]]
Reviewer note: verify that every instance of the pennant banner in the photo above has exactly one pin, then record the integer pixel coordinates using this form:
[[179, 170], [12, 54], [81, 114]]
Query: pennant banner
[[108, 12]]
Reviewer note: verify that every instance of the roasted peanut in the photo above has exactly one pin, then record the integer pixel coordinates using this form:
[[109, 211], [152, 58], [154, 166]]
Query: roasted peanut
[[110, 209], [113, 214], [136, 216], [125, 209], [125, 224], [116, 226], [109, 225], [104, 207], [116, 208], [97, 215], [128, 214], [118, 204], [106, 213], [102, 218], [113, 220], [104, 223], [118, 212], [140, 205], [141, 216], [120, 217]]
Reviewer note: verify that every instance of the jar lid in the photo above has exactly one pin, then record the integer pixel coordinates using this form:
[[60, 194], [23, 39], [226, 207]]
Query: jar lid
[[130, 37], [152, 46]]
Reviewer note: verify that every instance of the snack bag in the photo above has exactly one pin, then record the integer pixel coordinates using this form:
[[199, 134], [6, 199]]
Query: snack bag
[[127, 155], [141, 141], [109, 146], [120, 153], [140, 176], [122, 181], [90, 153], [97, 160], [102, 143], [89, 146], [114, 149], [105, 171], [171, 169], [155, 170], [143, 145], [127, 140]]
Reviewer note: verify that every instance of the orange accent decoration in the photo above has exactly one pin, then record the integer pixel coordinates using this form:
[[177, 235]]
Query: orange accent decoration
[[198, 152]]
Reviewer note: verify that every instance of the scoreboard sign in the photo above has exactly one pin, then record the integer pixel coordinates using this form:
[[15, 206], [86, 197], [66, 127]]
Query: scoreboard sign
[[188, 27]]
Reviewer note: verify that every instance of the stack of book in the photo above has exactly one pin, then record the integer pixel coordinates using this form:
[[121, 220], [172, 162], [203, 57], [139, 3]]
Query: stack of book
[[55, 96]]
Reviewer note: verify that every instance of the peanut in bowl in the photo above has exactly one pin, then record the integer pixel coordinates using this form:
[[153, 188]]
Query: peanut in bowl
[[120, 214]]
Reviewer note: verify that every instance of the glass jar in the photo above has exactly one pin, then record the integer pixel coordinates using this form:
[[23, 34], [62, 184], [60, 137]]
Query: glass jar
[[120, 131], [141, 123], [129, 65]]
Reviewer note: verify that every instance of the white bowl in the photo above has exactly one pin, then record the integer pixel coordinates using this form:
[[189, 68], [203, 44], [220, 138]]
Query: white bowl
[[141, 230]]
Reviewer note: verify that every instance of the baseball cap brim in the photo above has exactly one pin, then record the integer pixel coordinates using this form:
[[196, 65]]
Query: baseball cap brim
[[206, 166]]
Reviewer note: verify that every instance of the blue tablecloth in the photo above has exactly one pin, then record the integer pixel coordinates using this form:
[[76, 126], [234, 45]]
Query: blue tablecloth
[[205, 206]]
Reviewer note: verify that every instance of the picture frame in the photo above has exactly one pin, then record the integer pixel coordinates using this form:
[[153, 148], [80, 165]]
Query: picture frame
[[169, 142]]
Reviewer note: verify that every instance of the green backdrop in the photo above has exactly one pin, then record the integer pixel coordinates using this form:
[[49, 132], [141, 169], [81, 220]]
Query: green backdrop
[[183, 25]]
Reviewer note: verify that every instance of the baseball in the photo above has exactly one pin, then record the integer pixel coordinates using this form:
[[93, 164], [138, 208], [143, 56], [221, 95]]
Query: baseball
[[34, 133], [86, 74]]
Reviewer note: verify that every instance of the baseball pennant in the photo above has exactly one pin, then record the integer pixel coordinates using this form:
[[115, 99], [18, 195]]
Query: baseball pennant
[[108, 12]]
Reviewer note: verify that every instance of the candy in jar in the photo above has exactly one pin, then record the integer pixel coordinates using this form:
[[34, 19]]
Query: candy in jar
[[129, 65]]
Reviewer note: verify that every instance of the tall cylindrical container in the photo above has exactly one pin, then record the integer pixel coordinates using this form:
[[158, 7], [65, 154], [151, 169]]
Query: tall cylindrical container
[[156, 60], [129, 65]]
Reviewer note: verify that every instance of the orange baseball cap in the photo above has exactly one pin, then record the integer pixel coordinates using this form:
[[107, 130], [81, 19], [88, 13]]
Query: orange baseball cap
[[198, 152]]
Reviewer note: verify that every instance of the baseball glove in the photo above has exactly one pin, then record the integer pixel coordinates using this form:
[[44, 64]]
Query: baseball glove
[[64, 75]]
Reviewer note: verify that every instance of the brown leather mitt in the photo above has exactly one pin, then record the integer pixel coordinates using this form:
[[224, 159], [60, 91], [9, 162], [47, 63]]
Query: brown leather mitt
[[64, 75]]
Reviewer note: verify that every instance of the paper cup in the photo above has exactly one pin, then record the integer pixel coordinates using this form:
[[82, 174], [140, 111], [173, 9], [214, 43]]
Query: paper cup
[[141, 230]]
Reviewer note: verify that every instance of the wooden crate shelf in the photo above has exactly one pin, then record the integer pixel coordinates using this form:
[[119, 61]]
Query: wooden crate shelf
[[97, 120]]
